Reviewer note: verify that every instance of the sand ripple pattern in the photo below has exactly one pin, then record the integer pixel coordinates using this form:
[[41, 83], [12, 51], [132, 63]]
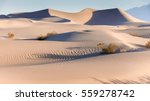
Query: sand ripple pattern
[[37, 57]]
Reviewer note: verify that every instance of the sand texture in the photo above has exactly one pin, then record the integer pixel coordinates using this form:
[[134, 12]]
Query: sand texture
[[51, 46]]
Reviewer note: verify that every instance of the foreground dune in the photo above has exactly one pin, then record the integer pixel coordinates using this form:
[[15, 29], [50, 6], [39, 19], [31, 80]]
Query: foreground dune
[[69, 52], [126, 66]]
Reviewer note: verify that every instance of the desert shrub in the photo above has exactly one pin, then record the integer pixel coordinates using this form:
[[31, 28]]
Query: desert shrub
[[44, 37], [147, 44], [110, 49], [51, 33], [101, 45], [11, 35]]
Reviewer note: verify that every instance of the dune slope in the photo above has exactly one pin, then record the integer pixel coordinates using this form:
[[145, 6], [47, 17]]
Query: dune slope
[[111, 17]]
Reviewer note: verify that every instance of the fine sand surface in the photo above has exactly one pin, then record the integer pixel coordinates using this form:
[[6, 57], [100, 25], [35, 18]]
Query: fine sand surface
[[70, 54]]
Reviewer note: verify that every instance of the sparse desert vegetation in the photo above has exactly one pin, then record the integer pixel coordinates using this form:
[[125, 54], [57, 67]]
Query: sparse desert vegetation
[[101, 45], [44, 37], [87, 49], [51, 33], [11, 35], [147, 44], [108, 49]]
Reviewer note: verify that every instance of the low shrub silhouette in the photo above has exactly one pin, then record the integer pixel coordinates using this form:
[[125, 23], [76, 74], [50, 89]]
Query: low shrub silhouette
[[110, 49], [100, 45], [44, 37], [147, 44], [11, 35]]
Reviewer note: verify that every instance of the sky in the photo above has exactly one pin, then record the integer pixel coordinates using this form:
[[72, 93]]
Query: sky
[[13, 6]]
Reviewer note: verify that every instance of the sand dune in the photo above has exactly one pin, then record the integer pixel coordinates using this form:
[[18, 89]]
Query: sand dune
[[87, 16], [55, 20], [65, 47], [126, 66], [111, 17], [36, 14], [71, 54], [13, 23], [79, 18]]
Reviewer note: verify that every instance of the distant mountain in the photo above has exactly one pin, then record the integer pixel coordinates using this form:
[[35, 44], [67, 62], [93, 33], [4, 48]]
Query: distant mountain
[[142, 13]]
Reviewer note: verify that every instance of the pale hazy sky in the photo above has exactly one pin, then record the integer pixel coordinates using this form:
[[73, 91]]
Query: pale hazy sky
[[11, 6]]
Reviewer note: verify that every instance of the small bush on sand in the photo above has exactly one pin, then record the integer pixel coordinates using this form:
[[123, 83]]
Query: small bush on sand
[[110, 49], [11, 35], [101, 45], [147, 44], [44, 37], [51, 33]]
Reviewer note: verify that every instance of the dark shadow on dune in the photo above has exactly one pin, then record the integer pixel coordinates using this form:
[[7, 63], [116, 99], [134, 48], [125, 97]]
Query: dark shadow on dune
[[3, 17], [107, 17], [33, 39], [78, 53], [145, 25], [64, 56], [52, 19], [64, 20], [63, 37], [37, 14], [73, 55], [87, 30], [139, 45], [66, 37]]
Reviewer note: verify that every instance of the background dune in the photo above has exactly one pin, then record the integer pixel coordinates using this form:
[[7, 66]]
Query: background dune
[[79, 17], [87, 16], [111, 17], [37, 14]]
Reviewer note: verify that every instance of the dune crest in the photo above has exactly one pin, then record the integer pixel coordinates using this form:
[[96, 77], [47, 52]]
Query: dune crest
[[87, 16], [37, 14], [79, 17], [111, 17]]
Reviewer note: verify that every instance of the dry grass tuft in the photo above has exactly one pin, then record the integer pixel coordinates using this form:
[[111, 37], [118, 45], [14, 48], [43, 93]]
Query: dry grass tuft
[[11, 35], [51, 33], [147, 44], [101, 45], [110, 49], [44, 37]]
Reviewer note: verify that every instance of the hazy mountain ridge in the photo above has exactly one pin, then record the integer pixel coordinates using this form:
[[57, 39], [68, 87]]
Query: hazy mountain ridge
[[142, 12]]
